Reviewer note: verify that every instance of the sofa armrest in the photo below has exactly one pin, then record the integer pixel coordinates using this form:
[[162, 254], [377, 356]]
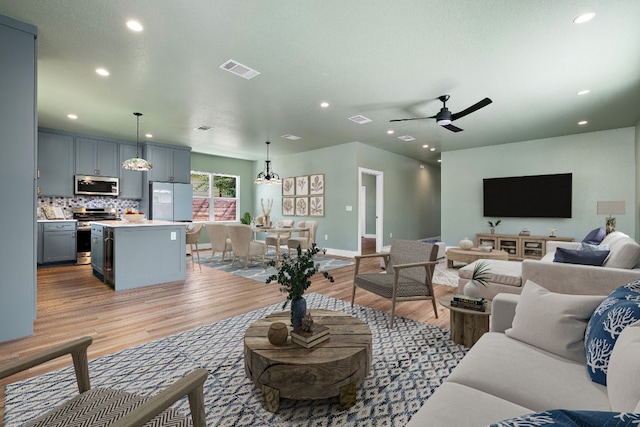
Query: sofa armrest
[[553, 244], [503, 310]]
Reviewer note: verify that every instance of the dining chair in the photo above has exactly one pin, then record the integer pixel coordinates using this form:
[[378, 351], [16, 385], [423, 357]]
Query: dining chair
[[192, 236], [220, 242], [271, 239], [305, 238], [108, 406], [409, 268], [243, 245]]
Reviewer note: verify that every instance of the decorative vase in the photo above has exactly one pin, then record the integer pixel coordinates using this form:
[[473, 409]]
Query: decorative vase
[[471, 289], [298, 311], [493, 230], [466, 244], [278, 333], [267, 221]]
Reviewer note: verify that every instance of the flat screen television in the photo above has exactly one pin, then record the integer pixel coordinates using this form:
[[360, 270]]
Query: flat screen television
[[535, 196]]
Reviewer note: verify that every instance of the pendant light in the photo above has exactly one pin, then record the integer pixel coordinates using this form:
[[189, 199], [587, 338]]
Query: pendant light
[[136, 163], [268, 176]]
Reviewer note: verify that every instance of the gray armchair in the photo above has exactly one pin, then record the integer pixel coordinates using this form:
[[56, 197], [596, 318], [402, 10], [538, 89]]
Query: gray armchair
[[409, 272]]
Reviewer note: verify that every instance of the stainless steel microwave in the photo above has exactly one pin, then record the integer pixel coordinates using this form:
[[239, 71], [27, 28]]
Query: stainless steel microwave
[[96, 185]]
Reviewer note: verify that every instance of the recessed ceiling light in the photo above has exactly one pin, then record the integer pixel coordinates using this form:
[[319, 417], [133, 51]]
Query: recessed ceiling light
[[134, 25], [432, 149], [390, 132], [148, 135], [583, 122], [406, 138], [425, 146], [102, 71], [584, 92], [585, 17], [324, 104], [72, 116]]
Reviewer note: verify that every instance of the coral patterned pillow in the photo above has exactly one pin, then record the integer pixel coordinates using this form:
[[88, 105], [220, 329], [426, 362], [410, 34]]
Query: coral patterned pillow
[[619, 310]]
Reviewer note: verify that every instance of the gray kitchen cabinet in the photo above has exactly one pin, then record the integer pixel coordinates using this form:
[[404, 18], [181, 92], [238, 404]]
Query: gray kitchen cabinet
[[59, 241], [55, 164], [96, 157], [97, 249], [130, 181], [169, 164]]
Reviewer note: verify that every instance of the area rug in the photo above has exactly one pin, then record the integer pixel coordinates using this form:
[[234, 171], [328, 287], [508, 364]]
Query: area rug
[[408, 363], [445, 276], [258, 272]]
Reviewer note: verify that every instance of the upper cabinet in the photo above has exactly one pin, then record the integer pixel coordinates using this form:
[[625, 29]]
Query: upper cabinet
[[55, 164], [96, 157], [130, 181], [170, 164]]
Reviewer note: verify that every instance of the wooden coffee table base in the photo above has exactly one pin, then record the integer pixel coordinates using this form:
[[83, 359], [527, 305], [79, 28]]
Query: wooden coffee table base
[[332, 368]]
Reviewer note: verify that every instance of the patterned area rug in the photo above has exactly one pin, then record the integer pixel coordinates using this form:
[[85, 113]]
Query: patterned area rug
[[257, 271], [409, 363], [445, 276]]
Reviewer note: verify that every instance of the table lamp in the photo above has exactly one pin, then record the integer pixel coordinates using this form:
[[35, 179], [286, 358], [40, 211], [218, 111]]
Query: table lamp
[[611, 208]]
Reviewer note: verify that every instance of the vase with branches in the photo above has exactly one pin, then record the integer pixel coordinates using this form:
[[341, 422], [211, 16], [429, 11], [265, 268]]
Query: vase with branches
[[493, 225], [266, 211], [294, 276], [480, 276]]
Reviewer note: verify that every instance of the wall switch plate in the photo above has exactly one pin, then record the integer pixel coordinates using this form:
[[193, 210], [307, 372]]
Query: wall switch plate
[[326, 237], [390, 235], [173, 235], [349, 208]]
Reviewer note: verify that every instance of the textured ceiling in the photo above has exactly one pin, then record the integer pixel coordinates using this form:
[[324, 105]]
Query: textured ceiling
[[380, 59]]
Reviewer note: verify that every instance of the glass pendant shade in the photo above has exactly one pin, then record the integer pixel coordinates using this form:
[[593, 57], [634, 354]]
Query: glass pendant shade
[[268, 176], [136, 163]]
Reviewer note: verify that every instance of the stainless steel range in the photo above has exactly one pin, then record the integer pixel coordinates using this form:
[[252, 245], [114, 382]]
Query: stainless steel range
[[85, 216]]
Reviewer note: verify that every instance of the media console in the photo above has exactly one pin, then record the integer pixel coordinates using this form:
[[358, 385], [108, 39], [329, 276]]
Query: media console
[[518, 247]]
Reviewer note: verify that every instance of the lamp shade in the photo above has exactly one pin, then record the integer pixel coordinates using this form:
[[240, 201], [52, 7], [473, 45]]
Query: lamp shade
[[611, 208]]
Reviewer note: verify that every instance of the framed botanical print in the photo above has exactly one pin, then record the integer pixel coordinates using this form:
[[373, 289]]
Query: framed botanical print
[[316, 206], [316, 184], [302, 206], [302, 185], [288, 206], [289, 186]]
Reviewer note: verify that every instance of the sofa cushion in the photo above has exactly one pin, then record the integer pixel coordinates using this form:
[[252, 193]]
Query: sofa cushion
[[504, 272], [553, 322], [595, 236], [625, 252], [623, 375], [565, 418], [528, 376], [619, 310], [577, 256]]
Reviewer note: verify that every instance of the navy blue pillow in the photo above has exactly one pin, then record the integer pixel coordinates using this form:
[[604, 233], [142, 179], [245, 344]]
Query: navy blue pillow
[[568, 418], [619, 310], [576, 256], [595, 236]]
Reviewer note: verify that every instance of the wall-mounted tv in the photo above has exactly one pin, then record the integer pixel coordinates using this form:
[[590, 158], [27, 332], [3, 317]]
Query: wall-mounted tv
[[535, 196]]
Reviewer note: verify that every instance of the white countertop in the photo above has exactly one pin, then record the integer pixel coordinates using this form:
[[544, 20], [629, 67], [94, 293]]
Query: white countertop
[[145, 223], [57, 220]]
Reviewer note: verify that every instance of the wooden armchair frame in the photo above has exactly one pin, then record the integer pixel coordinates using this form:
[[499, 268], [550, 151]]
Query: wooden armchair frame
[[191, 385]]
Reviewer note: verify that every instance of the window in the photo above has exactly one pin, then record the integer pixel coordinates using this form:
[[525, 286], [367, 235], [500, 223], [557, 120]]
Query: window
[[215, 196]]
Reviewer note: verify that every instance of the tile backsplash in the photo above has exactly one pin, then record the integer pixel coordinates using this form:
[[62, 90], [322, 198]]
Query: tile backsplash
[[68, 203]]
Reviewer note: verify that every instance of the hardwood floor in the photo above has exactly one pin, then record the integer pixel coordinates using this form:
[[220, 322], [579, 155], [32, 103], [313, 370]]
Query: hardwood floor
[[73, 303]]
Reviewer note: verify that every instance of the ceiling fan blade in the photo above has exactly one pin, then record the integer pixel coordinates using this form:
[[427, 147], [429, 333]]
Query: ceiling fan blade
[[471, 109], [414, 118], [452, 128]]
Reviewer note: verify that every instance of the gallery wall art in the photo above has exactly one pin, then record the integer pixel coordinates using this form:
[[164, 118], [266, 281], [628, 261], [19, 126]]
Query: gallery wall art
[[303, 195]]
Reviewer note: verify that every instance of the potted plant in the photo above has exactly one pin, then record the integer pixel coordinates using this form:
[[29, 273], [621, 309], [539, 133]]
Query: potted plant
[[293, 275], [480, 276], [246, 219], [493, 225]]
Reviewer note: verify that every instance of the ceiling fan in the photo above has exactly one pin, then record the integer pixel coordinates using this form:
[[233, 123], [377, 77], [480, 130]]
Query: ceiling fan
[[444, 117]]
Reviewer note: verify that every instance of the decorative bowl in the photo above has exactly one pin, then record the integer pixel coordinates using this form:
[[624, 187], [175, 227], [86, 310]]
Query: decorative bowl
[[133, 217]]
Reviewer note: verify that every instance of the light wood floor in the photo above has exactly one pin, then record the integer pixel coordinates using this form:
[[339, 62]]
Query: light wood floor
[[73, 303]]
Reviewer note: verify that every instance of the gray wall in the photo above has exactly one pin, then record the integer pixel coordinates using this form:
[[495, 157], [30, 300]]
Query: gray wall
[[603, 168]]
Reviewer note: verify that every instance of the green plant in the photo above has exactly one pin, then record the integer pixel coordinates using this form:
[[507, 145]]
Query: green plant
[[481, 273], [246, 219], [492, 225], [294, 273]]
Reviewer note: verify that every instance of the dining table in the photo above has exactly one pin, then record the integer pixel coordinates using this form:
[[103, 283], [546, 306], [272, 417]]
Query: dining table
[[279, 232]]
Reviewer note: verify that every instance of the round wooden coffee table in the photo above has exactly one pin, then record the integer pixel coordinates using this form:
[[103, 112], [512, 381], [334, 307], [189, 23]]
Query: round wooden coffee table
[[332, 368], [466, 326], [468, 256]]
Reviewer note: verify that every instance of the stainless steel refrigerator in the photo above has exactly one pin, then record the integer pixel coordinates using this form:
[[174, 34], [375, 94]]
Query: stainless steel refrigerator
[[170, 201]]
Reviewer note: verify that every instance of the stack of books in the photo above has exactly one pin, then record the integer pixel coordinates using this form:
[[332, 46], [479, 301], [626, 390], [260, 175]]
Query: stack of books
[[309, 339], [470, 303]]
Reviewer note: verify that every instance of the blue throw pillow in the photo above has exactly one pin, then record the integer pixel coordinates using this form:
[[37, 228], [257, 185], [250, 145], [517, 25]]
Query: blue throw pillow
[[576, 256], [595, 236], [568, 418], [619, 310]]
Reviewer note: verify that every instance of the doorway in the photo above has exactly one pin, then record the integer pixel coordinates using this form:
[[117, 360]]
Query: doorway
[[363, 213]]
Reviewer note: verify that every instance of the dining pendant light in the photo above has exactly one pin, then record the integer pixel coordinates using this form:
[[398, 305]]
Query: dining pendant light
[[136, 163], [268, 176]]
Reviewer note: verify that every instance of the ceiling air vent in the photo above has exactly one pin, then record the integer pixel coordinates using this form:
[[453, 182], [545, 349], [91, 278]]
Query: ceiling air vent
[[406, 138], [203, 128], [360, 119], [291, 137], [238, 69]]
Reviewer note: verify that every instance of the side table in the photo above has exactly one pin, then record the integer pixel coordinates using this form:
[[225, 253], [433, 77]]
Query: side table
[[467, 326]]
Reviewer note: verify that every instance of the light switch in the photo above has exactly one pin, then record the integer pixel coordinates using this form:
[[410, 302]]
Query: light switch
[[349, 208], [173, 235]]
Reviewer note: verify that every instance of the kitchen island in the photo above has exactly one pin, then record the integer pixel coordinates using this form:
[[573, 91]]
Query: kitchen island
[[129, 255]]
